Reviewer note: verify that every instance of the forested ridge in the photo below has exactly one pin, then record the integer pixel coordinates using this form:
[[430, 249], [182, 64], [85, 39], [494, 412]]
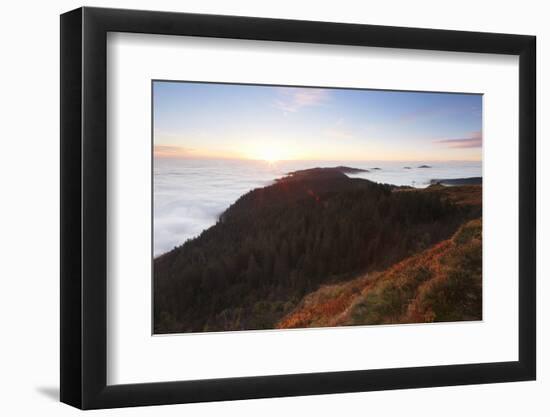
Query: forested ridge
[[278, 243]]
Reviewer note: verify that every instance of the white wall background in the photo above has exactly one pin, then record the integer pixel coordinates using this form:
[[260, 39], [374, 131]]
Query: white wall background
[[29, 226]]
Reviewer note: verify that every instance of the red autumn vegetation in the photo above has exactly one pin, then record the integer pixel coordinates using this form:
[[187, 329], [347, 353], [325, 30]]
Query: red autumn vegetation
[[442, 283]]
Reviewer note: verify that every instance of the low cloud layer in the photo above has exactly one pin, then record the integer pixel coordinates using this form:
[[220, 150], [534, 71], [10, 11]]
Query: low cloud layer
[[190, 194]]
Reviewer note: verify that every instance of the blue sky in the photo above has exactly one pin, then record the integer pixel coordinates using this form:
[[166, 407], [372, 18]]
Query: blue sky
[[208, 120]]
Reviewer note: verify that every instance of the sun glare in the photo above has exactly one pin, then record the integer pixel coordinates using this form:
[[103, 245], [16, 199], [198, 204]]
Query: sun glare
[[271, 155]]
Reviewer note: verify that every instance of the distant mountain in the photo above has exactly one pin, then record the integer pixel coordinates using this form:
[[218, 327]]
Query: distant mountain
[[278, 243], [348, 170], [322, 173]]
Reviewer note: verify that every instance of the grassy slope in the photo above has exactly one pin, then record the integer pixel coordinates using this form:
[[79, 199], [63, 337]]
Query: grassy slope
[[442, 283]]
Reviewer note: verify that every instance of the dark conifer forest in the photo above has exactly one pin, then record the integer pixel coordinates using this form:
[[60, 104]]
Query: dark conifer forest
[[277, 244]]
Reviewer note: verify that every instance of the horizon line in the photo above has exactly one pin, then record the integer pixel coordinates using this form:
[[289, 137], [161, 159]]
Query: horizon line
[[221, 158]]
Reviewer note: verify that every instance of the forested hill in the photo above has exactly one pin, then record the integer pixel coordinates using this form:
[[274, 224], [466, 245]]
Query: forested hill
[[276, 244]]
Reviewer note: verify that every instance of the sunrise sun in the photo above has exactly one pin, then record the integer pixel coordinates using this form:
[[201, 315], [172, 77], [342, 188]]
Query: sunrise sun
[[269, 154]]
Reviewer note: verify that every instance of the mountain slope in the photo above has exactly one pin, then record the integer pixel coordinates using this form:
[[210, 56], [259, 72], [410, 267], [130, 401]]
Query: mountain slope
[[278, 243], [442, 283]]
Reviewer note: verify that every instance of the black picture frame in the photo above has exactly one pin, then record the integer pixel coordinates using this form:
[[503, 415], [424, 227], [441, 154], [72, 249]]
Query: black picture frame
[[84, 207]]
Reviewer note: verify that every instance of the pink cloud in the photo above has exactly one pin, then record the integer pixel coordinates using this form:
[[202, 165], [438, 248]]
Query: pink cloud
[[170, 151], [473, 141], [296, 99]]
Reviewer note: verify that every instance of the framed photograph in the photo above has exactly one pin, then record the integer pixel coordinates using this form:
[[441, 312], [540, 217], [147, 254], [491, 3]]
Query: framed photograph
[[258, 208]]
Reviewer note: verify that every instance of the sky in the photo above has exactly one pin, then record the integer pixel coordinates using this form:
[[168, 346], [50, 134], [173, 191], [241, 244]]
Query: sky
[[271, 123]]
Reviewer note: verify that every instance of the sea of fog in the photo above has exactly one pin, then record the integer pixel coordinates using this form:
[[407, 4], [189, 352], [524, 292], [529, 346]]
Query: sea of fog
[[190, 194]]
